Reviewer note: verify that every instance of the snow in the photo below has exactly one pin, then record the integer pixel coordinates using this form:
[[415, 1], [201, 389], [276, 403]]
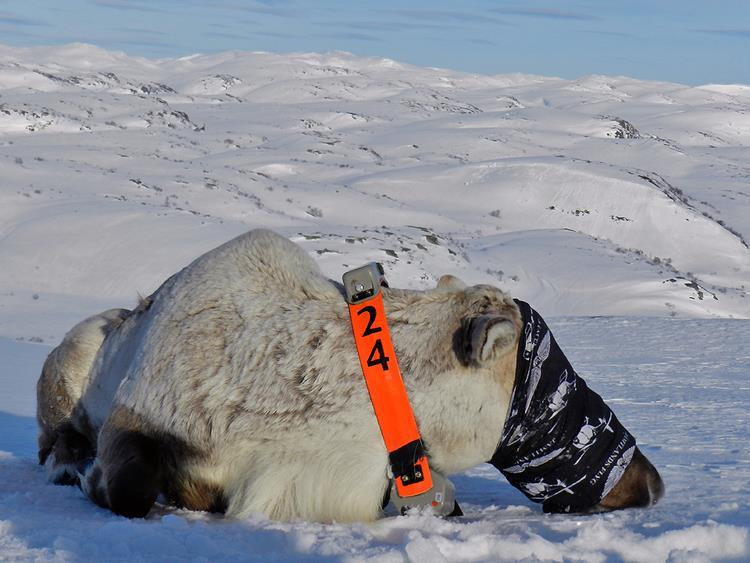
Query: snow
[[680, 386], [619, 208]]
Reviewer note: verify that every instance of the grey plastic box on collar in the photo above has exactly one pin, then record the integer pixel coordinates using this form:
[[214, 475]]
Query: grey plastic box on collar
[[364, 283]]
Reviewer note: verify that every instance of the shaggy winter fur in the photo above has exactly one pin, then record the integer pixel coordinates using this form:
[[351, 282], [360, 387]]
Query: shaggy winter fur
[[236, 387]]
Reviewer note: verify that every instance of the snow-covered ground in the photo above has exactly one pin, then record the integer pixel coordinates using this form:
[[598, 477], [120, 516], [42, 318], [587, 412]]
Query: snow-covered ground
[[681, 386], [599, 196]]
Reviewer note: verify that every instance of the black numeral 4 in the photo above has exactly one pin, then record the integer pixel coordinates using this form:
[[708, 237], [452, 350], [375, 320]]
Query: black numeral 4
[[377, 356]]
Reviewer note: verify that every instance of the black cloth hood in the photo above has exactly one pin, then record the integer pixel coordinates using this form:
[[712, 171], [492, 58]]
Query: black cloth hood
[[561, 444]]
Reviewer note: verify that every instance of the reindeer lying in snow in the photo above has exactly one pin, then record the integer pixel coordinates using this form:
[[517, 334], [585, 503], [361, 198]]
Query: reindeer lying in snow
[[236, 388]]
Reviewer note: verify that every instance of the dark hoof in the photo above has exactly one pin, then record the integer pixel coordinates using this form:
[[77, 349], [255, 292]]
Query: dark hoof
[[133, 486]]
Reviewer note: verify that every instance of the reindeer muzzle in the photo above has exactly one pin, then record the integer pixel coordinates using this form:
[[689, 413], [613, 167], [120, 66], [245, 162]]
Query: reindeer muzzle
[[561, 444]]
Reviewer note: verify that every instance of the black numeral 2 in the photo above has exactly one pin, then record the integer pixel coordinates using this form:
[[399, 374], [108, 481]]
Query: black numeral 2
[[372, 312], [377, 354]]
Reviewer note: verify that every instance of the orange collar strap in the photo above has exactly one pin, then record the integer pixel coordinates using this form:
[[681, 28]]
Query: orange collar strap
[[377, 356]]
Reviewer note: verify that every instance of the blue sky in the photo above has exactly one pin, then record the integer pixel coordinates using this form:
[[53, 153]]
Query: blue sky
[[689, 41]]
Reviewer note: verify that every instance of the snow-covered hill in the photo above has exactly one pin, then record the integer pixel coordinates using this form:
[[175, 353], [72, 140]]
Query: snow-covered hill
[[603, 195], [599, 196]]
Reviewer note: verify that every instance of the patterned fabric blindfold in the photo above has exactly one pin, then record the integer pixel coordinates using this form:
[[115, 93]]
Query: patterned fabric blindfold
[[561, 445]]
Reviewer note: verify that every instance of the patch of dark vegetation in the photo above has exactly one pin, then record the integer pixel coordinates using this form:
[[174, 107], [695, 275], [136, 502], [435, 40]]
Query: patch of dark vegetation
[[141, 184], [733, 231], [314, 212], [497, 274], [692, 283], [172, 118], [676, 194], [622, 129], [511, 102], [372, 152], [672, 192], [438, 103], [153, 88]]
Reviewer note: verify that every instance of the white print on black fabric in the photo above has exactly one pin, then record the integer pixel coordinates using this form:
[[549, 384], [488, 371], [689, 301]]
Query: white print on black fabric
[[542, 354], [561, 445], [587, 435], [519, 434], [540, 491], [536, 462], [620, 451], [559, 399], [528, 340], [617, 471]]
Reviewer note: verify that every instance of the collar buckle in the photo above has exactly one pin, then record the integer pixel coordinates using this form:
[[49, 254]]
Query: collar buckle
[[364, 283]]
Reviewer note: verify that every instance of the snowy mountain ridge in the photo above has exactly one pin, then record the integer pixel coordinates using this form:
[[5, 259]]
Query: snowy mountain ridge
[[597, 196]]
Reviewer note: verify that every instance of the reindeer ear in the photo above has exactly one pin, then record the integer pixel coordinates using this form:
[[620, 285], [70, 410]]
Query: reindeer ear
[[448, 281], [484, 337]]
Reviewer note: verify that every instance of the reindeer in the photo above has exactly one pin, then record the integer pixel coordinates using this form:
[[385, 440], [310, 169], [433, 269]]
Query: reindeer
[[235, 388]]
